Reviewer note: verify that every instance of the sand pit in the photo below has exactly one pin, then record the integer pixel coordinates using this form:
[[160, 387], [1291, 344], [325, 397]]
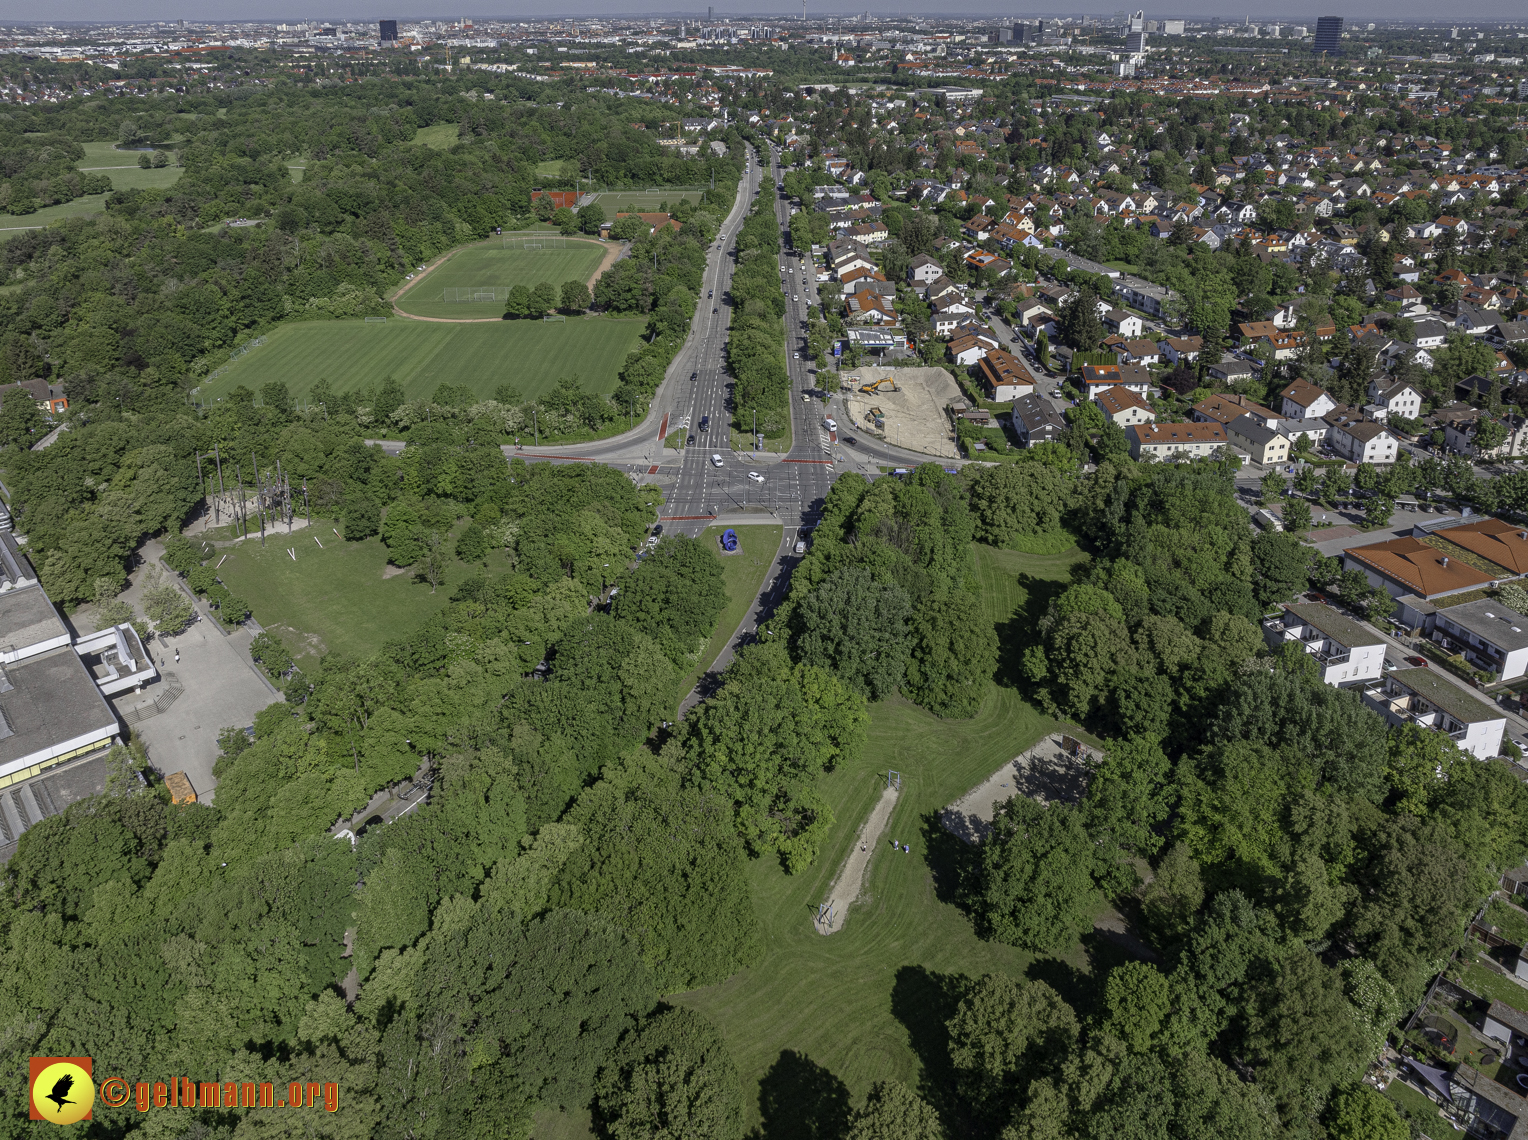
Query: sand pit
[[915, 413], [851, 876], [1054, 770]]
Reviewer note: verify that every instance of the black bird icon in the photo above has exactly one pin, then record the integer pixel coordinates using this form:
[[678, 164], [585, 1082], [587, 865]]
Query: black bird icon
[[60, 1093]]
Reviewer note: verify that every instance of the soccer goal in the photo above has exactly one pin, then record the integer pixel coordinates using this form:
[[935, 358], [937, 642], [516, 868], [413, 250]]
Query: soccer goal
[[376, 320], [534, 241], [474, 294], [555, 317]]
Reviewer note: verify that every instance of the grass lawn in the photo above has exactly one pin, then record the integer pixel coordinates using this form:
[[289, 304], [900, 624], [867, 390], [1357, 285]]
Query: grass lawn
[[490, 266], [1058, 543], [742, 574], [550, 168], [869, 1002], [531, 355], [90, 204], [1481, 979], [1419, 1108], [441, 136], [334, 599]]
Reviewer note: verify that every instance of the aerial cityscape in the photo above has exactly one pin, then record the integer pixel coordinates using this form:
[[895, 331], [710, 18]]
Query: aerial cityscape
[[788, 574]]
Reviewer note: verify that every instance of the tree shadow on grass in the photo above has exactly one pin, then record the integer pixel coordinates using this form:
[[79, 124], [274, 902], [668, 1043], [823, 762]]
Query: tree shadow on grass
[[1082, 986], [924, 1001], [801, 1100], [951, 861]]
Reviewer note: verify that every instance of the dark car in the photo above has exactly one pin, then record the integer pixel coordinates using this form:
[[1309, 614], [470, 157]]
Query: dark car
[[1419, 662], [694, 375], [705, 423], [850, 440]]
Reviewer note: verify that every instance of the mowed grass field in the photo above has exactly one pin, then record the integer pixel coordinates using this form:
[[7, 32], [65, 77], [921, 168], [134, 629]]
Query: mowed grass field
[[121, 166], [334, 598], [866, 1004], [638, 201], [490, 266], [421, 355], [743, 574]]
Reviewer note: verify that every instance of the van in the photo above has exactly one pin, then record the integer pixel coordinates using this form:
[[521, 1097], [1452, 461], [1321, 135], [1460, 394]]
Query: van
[[716, 460]]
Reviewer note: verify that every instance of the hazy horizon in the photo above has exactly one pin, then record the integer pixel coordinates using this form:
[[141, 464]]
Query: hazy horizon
[[132, 11]]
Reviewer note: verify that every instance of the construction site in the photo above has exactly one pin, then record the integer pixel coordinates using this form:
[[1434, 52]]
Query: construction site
[[907, 407]]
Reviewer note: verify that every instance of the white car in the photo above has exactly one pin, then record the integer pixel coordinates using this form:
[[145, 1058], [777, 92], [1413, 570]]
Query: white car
[[801, 546], [795, 356], [755, 476], [716, 460]]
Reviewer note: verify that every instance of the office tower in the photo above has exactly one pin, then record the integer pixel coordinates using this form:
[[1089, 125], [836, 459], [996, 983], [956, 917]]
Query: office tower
[[1137, 22], [1003, 36], [710, 14], [1172, 27], [389, 31], [1329, 35], [1135, 43]]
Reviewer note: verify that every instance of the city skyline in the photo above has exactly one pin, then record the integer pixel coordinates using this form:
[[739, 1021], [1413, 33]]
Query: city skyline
[[100, 11]]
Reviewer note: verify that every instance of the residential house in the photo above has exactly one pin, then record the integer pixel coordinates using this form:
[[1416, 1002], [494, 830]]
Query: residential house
[[868, 307], [1124, 407], [1361, 441], [48, 397], [1225, 407], [1003, 376], [1036, 421], [966, 349], [1346, 652], [1502, 1023], [924, 270], [1462, 435], [1134, 351], [1181, 348], [1404, 566], [846, 254], [1264, 444], [941, 286], [1097, 377], [1395, 399], [1123, 323], [1488, 634], [1175, 441], [1422, 697], [948, 313], [1509, 333], [1230, 371], [1430, 334]]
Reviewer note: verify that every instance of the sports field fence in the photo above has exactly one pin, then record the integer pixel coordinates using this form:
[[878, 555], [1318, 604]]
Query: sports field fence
[[533, 239]]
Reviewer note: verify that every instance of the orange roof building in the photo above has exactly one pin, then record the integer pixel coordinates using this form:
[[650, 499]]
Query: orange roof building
[[1409, 566], [1494, 540]]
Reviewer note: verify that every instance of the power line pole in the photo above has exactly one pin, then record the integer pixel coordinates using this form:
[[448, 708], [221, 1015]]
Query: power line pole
[[259, 497], [219, 459]]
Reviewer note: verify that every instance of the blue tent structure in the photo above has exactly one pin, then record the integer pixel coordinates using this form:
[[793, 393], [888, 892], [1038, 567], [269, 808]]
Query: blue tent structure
[[729, 540]]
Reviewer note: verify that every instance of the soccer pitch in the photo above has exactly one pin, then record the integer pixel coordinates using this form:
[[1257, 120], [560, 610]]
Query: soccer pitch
[[488, 265], [421, 356], [640, 201]]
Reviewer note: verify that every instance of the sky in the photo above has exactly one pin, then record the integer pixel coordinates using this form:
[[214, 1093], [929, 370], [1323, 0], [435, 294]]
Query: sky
[[128, 10]]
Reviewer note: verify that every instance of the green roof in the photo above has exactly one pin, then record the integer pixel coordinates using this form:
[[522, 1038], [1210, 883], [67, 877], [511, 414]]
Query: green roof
[[1446, 695]]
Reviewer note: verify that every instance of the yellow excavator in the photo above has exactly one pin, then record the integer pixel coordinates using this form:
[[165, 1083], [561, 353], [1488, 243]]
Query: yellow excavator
[[884, 384]]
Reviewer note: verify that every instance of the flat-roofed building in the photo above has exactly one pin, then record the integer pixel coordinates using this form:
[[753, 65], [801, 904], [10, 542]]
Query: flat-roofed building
[[1421, 697], [1488, 634], [1347, 652]]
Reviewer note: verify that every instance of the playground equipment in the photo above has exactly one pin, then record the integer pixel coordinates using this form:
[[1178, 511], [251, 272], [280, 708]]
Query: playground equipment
[[729, 540], [884, 384]]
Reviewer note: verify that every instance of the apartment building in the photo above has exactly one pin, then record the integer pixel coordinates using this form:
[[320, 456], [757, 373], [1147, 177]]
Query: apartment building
[[1347, 652]]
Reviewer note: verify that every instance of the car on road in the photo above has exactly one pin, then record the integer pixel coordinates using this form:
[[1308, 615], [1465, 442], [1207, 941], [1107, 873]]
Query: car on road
[[714, 309], [755, 476], [694, 375], [1389, 665], [716, 460], [850, 440], [1419, 662], [795, 356], [794, 297], [705, 423], [801, 546]]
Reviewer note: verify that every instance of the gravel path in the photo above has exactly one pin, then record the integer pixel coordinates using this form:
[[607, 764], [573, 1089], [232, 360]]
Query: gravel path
[[851, 877]]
